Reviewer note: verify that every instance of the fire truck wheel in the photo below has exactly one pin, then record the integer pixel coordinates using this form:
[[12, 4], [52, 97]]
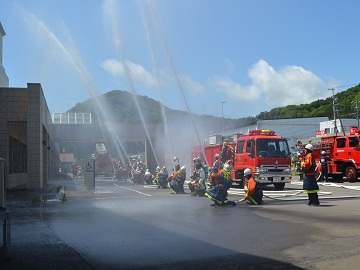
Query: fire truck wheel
[[351, 174], [279, 186]]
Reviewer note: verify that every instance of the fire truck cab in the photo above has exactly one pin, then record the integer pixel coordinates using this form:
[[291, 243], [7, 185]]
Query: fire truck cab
[[267, 155]]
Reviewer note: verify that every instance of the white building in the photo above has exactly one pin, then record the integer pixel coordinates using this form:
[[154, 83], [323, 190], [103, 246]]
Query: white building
[[342, 125]]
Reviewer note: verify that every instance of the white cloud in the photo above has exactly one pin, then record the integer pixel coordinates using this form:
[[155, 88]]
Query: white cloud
[[135, 72], [139, 75], [288, 85], [191, 86]]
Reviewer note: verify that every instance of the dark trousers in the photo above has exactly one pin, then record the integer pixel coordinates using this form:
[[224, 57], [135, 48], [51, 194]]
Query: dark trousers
[[324, 173], [313, 198]]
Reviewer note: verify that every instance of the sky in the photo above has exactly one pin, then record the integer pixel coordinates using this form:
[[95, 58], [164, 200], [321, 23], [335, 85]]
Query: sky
[[231, 58]]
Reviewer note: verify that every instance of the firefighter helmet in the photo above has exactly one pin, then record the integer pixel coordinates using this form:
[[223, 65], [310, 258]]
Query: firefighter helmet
[[226, 166], [309, 147], [183, 168], [323, 152], [247, 172], [164, 170]]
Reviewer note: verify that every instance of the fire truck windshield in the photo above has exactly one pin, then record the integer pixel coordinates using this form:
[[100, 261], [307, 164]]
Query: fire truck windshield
[[272, 148]]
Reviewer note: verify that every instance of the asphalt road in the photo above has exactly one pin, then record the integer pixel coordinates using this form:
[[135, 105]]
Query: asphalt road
[[124, 226]]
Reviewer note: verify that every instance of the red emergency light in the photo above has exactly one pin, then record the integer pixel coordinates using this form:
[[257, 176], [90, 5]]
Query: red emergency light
[[267, 132]]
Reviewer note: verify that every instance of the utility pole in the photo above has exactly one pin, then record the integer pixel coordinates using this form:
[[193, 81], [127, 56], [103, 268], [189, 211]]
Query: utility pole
[[334, 109], [222, 115]]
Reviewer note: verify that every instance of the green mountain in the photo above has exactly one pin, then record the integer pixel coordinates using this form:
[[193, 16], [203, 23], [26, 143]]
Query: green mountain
[[121, 104]]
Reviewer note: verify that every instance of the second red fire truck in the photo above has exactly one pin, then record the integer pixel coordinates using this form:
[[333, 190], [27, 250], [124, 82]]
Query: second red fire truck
[[343, 154]]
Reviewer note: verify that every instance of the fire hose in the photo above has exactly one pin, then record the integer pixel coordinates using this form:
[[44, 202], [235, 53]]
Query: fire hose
[[325, 195]]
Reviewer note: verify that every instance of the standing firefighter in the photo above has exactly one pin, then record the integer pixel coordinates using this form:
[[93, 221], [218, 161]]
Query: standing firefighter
[[324, 166], [218, 194], [298, 170], [310, 185], [197, 185], [254, 193], [227, 154]]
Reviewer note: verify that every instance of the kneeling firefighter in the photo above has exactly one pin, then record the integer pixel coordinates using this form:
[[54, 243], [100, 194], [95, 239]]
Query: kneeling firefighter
[[162, 178], [177, 183], [218, 194], [148, 177], [197, 185], [254, 193]]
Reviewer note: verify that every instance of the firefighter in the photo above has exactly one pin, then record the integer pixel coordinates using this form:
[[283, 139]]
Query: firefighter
[[324, 166], [176, 164], [156, 175], [194, 164], [176, 167], [298, 170], [178, 180], [162, 178], [254, 193], [137, 177], [227, 154], [214, 172], [74, 168], [216, 163], [148, 177], [197, 185], [310, 185], [218, 194]]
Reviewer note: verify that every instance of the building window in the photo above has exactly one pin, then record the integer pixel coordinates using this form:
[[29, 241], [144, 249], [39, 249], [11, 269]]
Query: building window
[[17, 156], [71, 118]]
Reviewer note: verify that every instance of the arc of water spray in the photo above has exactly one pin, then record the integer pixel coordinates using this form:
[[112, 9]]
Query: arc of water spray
[[128, 75], [148, 35], [172, 64], [129, 78], [86, 78]]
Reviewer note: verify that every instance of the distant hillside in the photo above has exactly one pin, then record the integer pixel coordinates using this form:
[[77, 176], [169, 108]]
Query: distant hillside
[[323, 107], [121, 104]]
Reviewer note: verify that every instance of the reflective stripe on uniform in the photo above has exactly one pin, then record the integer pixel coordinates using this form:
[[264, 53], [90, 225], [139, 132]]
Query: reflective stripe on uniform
[[212, 198], [311, 191], [254, 202]]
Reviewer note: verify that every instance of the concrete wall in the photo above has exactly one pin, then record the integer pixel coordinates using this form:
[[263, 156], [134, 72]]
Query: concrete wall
[[24, 116]]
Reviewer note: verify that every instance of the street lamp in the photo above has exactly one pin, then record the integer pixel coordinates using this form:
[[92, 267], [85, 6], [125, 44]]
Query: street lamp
[[222, 114]]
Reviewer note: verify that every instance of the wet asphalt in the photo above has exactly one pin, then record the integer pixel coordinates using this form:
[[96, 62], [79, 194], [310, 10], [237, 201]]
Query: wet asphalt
[[123, 226]]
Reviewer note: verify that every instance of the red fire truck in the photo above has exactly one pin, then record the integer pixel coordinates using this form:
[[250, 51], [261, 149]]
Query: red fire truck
[[103, 162], [262, 151], [343, 153]]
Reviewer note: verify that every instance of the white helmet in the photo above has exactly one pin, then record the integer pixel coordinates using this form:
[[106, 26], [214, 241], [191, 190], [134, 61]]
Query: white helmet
[[226, 166], [323, 152], [247, 172], [183, 168], [309, 147]]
